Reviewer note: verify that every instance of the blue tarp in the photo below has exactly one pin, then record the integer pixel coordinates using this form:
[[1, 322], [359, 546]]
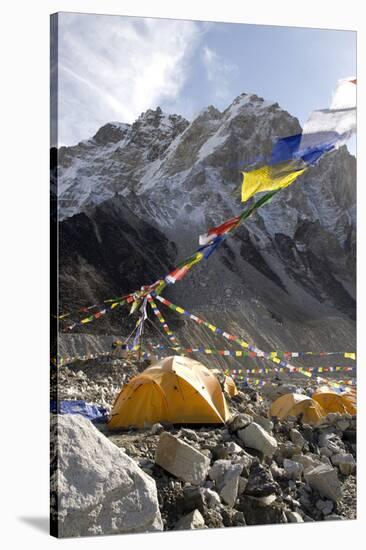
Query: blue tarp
[[91, 412]]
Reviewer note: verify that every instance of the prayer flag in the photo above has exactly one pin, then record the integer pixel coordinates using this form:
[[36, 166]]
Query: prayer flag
[[269, 178]]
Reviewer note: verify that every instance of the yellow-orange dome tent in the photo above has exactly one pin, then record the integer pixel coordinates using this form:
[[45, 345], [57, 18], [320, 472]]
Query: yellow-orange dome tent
[[176, 389], [333, 402], [294, 404]]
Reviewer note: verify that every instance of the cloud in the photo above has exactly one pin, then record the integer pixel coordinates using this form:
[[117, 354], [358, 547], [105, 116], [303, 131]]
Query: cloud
[[219, 72], [113, 68]]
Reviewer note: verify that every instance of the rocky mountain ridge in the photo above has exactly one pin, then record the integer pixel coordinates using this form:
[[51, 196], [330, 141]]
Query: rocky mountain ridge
[[287, 275]]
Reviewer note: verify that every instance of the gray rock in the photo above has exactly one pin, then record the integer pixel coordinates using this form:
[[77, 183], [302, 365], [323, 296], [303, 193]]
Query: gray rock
[[345, 462], [229, 491], [277, 473], [333, 517], [325, 480], [226, 474], [257, 514], [255, 437], [245, 460], [220, 452], [293, 469], [242, 484], [218, 470], [296, 438], [309, 461], [331, 441], [266, 423], [265, 500], [325, 506], [294, 517], [325, 460], [100, 489], [232, 517], [194, 498], [240, 421], [234, 448], [181, 460], [212, 499], [193, 520], [289, 449], [324, 451], [189, 434], [343, 424], [260, 482], [157, 429]]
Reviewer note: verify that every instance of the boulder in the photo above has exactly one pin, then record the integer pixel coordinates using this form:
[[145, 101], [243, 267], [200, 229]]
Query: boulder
[[325, 506], [242, 484], [266, 423], [287, 449], [309, 460], [296, 438], [324, 451], [213, 518], [229, 491], [293, 469], [220, 452], [255, 437], [99, 489], [345, 462], [257, 514], [343, 424], [325, 480], [212, 499], [260, 482], [193, 520], [156, 429], [240, 421], [234, 449], [331, 441], [294, 517], [180, 459], [232, 517], [194, 498], [218, 470], [189, 434], [226, 475]]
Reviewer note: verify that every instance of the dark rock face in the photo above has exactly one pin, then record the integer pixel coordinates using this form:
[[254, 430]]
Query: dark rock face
[[107, 252], [286, 278], [260, 482]]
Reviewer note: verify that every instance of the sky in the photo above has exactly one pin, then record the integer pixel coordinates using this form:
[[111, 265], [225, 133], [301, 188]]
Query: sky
[[113, 68]]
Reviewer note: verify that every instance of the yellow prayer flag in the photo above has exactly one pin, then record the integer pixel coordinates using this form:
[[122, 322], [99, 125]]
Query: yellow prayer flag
[[350, 356], [268, 178]]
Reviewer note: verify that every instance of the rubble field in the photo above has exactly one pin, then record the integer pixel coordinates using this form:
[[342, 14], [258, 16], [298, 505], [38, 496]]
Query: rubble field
[[253, 470]]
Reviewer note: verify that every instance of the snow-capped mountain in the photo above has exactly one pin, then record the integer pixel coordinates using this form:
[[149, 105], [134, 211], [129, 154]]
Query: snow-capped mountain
[[287, 275]]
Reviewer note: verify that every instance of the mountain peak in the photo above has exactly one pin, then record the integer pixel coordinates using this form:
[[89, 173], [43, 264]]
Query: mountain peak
[[112, 132]]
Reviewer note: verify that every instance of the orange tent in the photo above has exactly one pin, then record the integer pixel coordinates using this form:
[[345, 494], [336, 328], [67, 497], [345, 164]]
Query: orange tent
[[176, 389], [294, 404], [333, 402]]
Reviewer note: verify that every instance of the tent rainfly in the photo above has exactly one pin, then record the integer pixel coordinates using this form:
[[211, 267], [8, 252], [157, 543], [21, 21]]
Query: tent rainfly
[[176, 389], [333, 402], [296, 404]]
